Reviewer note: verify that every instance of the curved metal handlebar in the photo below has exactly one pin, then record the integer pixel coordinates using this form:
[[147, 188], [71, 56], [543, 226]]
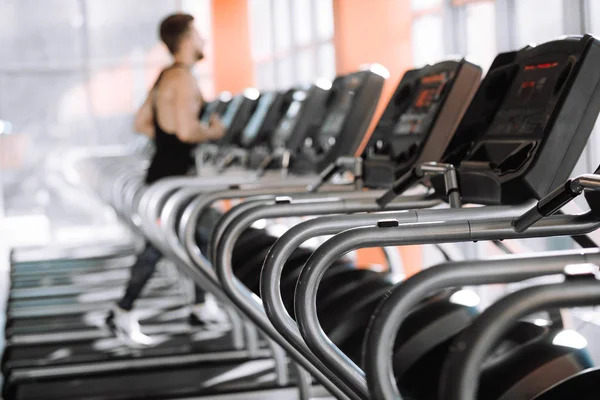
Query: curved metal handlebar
[[201, 276], [301, 198], [270, 282], [252, 306], [461, 370], [417, 173], [420, 233], [236, 222], [391, 313]]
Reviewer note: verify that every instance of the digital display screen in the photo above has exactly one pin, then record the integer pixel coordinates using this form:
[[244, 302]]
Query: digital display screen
[[287, 124], [231, 111], [537, 79], [253, 126], [335, 121], [424, 106], [531, 99], [293, 109]]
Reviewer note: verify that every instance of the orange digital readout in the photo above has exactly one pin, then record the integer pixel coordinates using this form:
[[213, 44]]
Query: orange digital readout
[[425, 98], [541, 66], [437, 78], [528, 84]]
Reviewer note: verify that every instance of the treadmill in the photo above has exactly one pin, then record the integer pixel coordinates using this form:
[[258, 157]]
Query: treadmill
[[70, 278], [89, 373], [192, 365], [237, 113]]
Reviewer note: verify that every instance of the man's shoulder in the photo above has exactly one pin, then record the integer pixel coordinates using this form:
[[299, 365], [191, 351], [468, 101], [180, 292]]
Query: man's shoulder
[[178, 76]]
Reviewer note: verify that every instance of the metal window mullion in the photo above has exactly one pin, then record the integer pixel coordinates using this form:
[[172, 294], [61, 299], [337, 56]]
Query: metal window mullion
[[448, 27], [459, 18], [573, 17], [505, 29], [293, 49], [272, 59], [586, 10], [315, 40], [87, 70]]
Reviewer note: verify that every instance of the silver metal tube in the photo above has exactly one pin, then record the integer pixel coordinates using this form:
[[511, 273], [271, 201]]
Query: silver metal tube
[[156, 194], [168, 223], [304, 382], [419, 233], [248, 301], [299, 198], [404, 297], [270, 283], [193, 211]]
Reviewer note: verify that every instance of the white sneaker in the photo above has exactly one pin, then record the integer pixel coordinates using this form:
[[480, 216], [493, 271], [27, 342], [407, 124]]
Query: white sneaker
[[207, 313], [125, 326]]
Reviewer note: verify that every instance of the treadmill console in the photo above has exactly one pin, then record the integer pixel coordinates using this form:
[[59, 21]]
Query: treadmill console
[[270, 109], [419, 120], [550, 99], [304, 114], [217, 107], [237, 116], [207, 151], [350, 105]]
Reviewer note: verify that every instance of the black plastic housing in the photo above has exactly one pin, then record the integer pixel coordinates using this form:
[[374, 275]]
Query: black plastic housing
[[350, 105], [217, 107], [270, 109], [419, 120], [529, 145], [236, 117]]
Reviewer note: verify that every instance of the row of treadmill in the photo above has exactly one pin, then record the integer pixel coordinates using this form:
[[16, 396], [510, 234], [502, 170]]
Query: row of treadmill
[[481, 160]]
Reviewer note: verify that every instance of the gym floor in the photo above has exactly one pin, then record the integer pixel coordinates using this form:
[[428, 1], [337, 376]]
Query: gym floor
[[45, 218]]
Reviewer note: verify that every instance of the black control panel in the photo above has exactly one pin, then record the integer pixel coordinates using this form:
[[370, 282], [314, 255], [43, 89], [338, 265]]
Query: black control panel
[[237, 115], [419, 120], [303, 116], [546, 102], [350, 105], [271, 107], [217, 107]]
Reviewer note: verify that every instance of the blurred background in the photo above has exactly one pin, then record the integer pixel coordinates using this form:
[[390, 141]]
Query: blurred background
[[73, 72]]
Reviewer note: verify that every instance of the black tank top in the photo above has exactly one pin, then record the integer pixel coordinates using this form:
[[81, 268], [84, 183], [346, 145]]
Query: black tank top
[[172, 157]]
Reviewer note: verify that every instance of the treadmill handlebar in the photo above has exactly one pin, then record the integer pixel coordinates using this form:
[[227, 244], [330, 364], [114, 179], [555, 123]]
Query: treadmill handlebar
[[557, 199], [285, 155], [417, 173], [399, 186], [232, 155], [353, 164], [262, 168]]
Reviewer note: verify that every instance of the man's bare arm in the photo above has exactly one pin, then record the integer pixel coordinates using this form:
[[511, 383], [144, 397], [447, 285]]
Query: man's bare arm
[[144, 118], [189, 129]]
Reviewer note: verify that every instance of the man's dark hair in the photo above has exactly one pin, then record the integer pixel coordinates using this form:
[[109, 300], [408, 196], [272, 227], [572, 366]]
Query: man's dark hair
[[173, 28]]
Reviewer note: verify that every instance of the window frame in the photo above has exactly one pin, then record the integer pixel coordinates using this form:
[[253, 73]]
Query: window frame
[[276, 56]]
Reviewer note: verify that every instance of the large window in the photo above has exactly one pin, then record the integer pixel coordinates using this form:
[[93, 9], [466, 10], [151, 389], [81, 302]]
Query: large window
[[292, 41], [537, 21], [444, 27]]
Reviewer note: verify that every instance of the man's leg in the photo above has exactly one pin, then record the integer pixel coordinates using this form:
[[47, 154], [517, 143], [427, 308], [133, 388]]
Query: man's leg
[[206, 310], [121, 319], [141, 272]]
